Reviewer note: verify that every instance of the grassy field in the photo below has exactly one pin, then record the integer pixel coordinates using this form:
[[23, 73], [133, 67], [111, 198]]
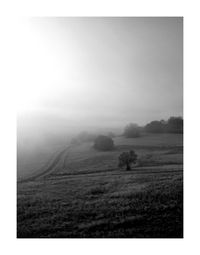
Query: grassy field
[[85, 194]]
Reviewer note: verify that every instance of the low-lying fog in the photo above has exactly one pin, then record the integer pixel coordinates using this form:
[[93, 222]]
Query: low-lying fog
[[39, 138]]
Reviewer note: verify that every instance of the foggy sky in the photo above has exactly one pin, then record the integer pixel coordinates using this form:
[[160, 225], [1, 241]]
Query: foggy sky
[[102, 71]]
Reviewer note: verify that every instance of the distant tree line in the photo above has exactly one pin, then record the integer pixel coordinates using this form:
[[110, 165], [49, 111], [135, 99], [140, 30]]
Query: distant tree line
[[132, 130], [172, 125]]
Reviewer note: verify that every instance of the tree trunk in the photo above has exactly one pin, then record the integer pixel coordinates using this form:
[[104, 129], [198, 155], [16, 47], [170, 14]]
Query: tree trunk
[[128, 167]]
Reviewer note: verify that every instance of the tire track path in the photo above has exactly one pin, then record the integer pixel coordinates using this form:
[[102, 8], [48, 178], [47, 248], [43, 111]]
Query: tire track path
[[115, 172], [50, 166]]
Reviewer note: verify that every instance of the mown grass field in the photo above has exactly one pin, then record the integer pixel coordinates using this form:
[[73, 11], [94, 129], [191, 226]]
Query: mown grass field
[[86, 195]]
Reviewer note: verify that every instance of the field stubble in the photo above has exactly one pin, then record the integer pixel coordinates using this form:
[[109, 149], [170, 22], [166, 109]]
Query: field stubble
[[91, 197]]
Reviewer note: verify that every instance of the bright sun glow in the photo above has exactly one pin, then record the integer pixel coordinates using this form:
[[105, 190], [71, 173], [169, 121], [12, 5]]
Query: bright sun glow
[[45, 64]]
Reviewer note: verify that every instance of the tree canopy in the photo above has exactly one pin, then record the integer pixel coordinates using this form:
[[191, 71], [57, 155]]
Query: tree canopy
[[127, 159]]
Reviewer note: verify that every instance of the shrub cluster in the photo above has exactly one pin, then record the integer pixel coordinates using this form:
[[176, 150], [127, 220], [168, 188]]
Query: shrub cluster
[[103, 143], [132, 130]]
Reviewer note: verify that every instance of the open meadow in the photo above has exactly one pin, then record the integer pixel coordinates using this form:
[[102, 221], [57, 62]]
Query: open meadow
[[83, 193]]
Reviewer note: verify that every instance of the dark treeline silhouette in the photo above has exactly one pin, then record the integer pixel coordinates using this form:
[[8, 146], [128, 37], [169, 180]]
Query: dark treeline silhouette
[[172, 125]]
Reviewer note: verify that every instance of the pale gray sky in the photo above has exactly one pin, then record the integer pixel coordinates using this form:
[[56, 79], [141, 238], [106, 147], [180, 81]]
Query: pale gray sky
[[102, 71]]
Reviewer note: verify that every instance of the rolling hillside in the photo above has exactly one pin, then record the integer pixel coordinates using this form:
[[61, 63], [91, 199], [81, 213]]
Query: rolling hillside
[[82, 192]]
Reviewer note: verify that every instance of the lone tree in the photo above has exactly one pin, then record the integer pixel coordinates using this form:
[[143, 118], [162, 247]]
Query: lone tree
[[127, 159], [103, 143]]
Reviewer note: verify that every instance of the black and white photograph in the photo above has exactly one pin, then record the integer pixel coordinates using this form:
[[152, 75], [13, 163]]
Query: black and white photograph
[[100, 128]]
